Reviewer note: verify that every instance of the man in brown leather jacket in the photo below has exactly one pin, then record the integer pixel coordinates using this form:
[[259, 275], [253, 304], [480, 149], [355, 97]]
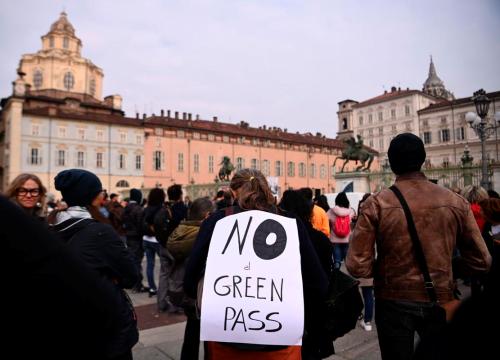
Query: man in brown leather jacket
[[443, 221]]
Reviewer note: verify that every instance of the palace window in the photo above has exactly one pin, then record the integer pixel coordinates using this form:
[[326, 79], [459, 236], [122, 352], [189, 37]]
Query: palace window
[[158, 160], [322, 171], [138, 162], [61, 158], [98, 160], [99, 134], [121, 161], [381, 144], [37, 79], [460, 133], [81, 133], [210, 164], [69, 81], [61, 131], [312, 170], [240, 163], [254, 164], [196, 163], [35, 158], [65, 42], [360, 120], [211, 137], [80, 159], [180, 133], [51, 41], [35, 129], [370, 119], [380, 116], [122, 183], [381, 130], [427, 137], [123, 137], [444, 135], [265, 167], [180, 162], [344, 124], [302, 169], [225, 138], [407, 110], [138, 139], [393, 113], [278, 168], [291, 168]]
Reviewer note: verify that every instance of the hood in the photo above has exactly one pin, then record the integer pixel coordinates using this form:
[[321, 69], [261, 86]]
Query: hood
[[70, 221], [340, 211]]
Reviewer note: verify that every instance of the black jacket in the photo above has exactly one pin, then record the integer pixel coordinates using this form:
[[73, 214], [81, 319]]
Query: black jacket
[[101, 249], [56, 306], [131, 219]]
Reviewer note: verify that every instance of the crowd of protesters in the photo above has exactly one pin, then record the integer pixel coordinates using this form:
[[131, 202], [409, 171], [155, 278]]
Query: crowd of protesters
[[100, 240]]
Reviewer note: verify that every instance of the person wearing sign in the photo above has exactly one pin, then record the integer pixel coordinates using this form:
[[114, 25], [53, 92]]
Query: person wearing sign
[[442, 220], [252, 193]]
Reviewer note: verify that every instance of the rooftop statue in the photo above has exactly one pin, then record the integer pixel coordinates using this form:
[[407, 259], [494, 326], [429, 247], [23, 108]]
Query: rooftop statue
[[226, 169], [356, 151]]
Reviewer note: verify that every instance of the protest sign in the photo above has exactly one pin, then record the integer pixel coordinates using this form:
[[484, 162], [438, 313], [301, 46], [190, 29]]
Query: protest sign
[[252, 291]]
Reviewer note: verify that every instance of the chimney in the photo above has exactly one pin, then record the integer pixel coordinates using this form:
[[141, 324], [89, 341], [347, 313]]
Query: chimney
[[385, 91], [264, 127], [197, 117], [162, 113], [183, 116], [393, 89], [168, 114], [177, 115], [143, 116], [137, 115], [399, 89], [407, 89], [215, 118], [189, 116]]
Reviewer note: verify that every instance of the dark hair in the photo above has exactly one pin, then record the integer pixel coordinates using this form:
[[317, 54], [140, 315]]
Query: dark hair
[[156, 197], [252, 189], [294, 202], [493, 194], [200, 208], [307, 193], [112, 196], [174, 192], [220, 194], [342, 200], [363, 199], [322, 202]]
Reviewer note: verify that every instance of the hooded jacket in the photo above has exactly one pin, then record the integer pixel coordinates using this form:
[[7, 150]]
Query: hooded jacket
[[100, 247]]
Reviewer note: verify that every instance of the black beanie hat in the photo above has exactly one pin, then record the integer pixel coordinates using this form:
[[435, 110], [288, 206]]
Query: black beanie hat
[[406, 153], [136, 195], [78, 187]]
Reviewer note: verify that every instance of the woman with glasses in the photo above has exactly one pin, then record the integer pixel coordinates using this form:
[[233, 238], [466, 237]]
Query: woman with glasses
[[29, 193]]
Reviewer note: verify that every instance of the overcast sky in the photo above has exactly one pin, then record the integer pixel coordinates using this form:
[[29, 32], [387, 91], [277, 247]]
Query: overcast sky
[[279, 63]]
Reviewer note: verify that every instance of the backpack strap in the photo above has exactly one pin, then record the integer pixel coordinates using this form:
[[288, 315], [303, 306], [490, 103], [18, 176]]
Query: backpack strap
[[417, 246]]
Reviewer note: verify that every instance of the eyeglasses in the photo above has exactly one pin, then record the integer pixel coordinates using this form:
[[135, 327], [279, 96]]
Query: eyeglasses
[[24, 192]]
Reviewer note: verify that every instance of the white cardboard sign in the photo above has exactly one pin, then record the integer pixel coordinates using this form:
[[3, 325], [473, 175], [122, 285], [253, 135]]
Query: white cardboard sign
[[252, 292]]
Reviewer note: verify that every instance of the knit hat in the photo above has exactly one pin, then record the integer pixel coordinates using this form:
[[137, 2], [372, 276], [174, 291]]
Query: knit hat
[[136, 195], [491, 210], [78, 187], [406, 153]]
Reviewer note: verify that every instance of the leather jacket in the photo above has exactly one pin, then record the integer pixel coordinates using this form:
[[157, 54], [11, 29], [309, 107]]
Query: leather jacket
[[443, 220]]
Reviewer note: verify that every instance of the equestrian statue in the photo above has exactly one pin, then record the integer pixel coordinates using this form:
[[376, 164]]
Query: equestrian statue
[[226, 169], [356, 151]]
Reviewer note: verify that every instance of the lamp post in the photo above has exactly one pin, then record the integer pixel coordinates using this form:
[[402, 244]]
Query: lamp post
[[477, 121]]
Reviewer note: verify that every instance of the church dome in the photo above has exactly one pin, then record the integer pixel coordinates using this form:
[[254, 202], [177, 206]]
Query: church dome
[[62, 25]]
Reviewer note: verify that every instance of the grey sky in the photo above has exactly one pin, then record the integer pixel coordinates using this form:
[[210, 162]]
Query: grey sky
[[279, 63]]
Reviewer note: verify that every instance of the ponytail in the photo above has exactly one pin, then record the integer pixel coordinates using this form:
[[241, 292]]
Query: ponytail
[[252, 189]]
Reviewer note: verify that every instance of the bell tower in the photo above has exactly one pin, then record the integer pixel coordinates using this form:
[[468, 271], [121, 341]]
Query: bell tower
[[345, 119]]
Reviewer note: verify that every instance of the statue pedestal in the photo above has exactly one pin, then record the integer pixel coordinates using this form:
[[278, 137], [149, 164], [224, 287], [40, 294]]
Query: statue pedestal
[[359, 180]]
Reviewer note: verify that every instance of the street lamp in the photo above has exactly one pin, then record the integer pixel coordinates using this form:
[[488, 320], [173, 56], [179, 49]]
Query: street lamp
[[477, 121]]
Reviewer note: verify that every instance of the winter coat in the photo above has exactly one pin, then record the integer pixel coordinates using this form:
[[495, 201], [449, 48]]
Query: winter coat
[[131, 219], [332, 215], [99, 246], [319, 220]]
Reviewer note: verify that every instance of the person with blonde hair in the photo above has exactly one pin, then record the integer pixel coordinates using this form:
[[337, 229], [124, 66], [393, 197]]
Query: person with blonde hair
[[28, 192], [252, 192], [474, 195]]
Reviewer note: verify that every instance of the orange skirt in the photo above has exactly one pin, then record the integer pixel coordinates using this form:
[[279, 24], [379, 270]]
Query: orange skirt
[[219, 351]]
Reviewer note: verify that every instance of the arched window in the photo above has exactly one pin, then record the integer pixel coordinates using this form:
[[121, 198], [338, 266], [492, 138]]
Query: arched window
[[122, 183], [65, 42], [37, 79], [69, 81], [344, 124]]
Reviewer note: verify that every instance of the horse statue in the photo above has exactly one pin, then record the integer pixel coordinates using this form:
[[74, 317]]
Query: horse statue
[[226, 169], [355, 151]]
